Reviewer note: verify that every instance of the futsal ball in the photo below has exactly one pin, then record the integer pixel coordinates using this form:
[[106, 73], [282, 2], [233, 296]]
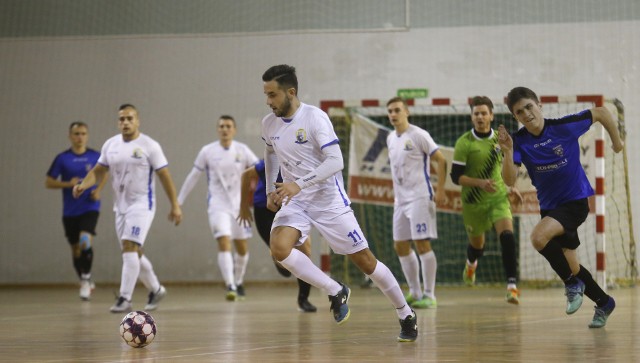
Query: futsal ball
[[138, 329]]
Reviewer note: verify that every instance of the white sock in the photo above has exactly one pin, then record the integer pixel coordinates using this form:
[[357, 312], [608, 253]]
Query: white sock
[[147, 276], [225, 263], [303, 268], [411, 268], [386, 282], [429, 267], [240, 267], [130, 272]]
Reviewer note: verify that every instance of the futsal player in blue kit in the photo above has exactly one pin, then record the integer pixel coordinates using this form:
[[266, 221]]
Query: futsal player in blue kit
[[79, 216], [550, 151]]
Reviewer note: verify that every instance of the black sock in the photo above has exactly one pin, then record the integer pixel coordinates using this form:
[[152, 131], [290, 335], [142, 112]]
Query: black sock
[[553, 253], [591, 288], [77, 265], [473, 254], [303, 290], [509, 257], [86, 260]]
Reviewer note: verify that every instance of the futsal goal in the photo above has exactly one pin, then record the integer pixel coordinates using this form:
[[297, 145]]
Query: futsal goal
[[607, 241]]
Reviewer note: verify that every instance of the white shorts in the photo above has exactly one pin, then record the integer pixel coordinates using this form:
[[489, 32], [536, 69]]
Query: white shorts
[[338, 226], [224, 223], [134, 225], [415, 221]]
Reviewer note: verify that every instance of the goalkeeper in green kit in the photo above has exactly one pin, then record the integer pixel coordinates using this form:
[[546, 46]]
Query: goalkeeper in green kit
[[477, 162]]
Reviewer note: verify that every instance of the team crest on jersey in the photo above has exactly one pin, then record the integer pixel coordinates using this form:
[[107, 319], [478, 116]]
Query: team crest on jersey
[[137, 153], [558, 150], [238, 158], [87, 167], [408, 146], [301, 136]]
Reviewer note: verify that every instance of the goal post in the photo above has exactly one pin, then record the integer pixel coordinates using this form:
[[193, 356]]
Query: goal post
[[361, 127]]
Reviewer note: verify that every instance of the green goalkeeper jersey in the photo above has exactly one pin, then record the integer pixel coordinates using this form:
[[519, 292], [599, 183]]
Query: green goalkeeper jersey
[[482, 159]]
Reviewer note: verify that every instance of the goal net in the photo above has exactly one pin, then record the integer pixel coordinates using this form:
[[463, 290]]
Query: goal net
[[608, 252]]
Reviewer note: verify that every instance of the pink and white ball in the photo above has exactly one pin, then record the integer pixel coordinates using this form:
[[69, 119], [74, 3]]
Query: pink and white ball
[[138, 329]]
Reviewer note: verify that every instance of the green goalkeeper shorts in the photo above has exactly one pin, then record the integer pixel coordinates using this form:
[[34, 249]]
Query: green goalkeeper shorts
[[479, 218]]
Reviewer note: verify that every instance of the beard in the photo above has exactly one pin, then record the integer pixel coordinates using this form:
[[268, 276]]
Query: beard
[[285, 109]]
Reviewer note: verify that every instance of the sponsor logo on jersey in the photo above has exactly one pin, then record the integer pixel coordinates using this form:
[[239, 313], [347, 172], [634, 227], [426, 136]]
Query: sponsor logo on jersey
[[301, 136]]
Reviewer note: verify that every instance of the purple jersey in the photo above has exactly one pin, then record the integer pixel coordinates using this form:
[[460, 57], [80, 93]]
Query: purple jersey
[[68, 165], [553, 159]]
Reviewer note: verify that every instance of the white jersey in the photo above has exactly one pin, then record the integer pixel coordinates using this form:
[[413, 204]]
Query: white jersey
[[224, 168], [410, 158], [298, 144], [131, 166]]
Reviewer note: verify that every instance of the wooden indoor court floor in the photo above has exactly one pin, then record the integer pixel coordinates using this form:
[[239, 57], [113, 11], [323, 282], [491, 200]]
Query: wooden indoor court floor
[[196, 324]]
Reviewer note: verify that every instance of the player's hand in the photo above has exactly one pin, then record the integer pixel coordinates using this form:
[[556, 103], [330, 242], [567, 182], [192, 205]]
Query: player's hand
[[271, 204], [77, 191], [515, 197], [617, 146], [75, 180], [175, 215], [441, 197], [504, 139], [284, 192], [245, 218], [95, 195], [488, 185]]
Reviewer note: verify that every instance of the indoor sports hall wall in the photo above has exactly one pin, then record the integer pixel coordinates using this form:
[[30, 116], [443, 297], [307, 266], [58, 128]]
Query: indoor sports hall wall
[[184, 65]]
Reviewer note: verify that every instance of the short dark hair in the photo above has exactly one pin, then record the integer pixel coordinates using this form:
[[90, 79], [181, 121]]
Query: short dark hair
[[127, 105], [398, 99], [227, 117], [284, 75], [481, 100], [519, 93], [77, 123]]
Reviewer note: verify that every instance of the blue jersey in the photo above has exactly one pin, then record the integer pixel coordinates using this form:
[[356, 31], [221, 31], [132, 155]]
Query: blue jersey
[[260, 195], [553, 159], [68, 165]]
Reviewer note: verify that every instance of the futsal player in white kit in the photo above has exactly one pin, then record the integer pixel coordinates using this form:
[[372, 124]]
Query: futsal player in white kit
[[224, 161], [411, 150], [301, 143], [131, 158]]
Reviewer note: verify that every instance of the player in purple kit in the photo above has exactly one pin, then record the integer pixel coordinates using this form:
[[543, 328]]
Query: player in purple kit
[[302, 145], [550, 151], [79, 216]]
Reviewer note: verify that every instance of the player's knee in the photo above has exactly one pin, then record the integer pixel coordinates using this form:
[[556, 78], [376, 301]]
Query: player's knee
[[279, 251], [85, 241], [402, 248], [538, 240]]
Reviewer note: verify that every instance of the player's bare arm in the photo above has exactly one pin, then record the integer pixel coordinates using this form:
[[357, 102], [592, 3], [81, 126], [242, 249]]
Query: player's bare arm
[[52, 183], [509, 169], [175, 215], [441, 161], [488, 185], [602, 115], [95, 194], [95, 175], [249, 176]]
